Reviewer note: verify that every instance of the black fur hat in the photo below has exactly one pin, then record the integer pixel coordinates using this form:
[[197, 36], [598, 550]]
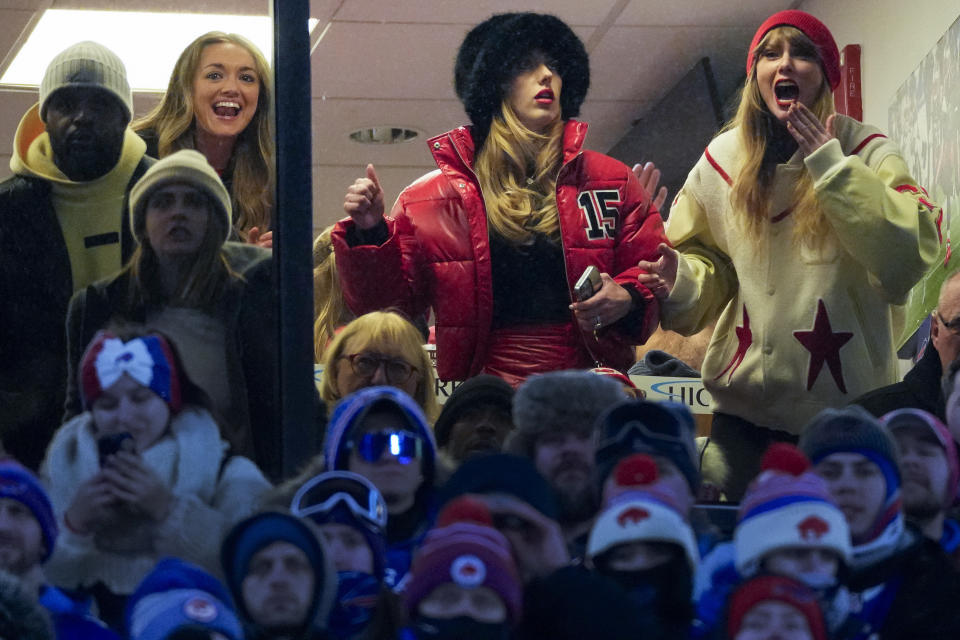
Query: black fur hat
[[497, 49]]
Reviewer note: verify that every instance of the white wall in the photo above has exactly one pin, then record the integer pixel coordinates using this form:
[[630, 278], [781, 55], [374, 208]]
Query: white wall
[[894, 36]]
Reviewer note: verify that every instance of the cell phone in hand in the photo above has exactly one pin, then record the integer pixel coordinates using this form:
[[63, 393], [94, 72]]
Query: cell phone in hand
[[588, 284], [111, 444]]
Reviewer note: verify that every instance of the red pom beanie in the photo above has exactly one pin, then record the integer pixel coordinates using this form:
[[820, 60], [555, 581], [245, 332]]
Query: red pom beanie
[[776, 589], [813, 29]]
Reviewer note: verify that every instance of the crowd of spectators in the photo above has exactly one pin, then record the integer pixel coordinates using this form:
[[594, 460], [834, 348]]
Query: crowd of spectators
[[544, 499]]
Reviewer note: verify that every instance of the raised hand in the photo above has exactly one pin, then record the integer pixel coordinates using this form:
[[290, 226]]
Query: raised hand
[[364, 200], [661, 274], [806, 128], [260, 238], [649, 177]]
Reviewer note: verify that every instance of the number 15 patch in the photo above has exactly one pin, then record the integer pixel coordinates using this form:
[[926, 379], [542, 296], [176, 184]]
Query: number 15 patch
[[600, 209]]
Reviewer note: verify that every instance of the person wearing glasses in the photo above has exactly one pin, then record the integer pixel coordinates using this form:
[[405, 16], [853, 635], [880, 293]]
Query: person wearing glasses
[[922, 386], [352, 518], [379, 348], [381, 434]]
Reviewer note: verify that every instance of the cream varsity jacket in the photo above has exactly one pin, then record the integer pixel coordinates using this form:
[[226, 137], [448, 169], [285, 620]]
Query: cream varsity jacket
[[800, 329]]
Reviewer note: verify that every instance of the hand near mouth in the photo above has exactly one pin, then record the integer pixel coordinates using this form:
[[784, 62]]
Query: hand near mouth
[[807, 129]]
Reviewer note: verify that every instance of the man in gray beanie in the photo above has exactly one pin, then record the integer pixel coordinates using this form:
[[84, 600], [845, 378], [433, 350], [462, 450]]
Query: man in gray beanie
[[556, 416], [62, 227]]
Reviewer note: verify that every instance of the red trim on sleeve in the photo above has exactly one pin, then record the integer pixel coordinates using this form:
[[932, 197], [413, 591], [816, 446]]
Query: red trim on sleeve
[[716, 165], [783, 214], [865, 141]]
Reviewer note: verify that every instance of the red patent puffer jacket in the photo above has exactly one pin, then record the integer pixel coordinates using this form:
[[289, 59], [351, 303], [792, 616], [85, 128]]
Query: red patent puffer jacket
[[437, 253]]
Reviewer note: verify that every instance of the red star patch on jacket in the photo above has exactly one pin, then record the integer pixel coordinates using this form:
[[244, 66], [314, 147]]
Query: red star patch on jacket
[[744, 340], [824, 346]]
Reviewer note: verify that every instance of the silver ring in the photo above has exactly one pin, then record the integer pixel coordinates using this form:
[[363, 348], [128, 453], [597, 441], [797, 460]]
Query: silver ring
[[596, 323]]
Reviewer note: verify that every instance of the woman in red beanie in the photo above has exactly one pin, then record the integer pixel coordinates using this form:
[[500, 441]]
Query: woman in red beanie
[[799, 229]]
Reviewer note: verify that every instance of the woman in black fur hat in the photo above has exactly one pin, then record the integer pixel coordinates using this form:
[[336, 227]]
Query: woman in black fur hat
[[497, 239]]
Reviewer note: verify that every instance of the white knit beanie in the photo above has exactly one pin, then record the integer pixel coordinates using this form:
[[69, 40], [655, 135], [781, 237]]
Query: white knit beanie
[[185, 167], [87, 64]]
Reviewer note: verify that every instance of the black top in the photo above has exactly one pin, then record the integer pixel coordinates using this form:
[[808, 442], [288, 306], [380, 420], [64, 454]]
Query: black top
[[529, 283]]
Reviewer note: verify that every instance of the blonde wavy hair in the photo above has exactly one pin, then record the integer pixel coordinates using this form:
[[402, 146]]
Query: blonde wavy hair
[[329, 308], [384, 332], [252, 165], [752, 188], [517, 169]]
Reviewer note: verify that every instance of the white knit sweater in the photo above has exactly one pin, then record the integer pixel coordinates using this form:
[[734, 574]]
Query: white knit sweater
[[207, 501]]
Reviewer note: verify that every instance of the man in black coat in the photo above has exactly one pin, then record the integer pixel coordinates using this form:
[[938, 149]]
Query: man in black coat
[[922, 387], [61, 228]]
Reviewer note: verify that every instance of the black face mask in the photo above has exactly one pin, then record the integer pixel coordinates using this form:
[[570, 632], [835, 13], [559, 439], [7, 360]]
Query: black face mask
[[459, 628], [666, 588]]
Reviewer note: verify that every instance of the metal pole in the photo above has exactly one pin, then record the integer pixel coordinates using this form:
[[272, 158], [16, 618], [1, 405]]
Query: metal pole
[[293, 232]]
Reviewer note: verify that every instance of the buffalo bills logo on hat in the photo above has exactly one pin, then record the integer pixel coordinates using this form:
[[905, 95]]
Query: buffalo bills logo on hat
[[633, 515], [468, 571], [813, 528], [200, 609]]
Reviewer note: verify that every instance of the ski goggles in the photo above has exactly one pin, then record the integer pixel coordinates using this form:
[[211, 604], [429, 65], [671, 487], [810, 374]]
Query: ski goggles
[[402, 445], [323, 493]]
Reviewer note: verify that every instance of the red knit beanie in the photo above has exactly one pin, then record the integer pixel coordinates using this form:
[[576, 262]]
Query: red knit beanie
[[813, 29], [776, 589], [466, 550]]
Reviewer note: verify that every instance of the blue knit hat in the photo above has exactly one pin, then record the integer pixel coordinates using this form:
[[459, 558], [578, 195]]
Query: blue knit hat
[[170, 574], [17, 483], [358, 405], [159, 614], [263, 529]]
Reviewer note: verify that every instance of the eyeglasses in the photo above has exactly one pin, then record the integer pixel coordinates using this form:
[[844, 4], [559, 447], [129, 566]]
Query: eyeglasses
[[953, 326], [402, 445], [321, 494], [365, 365]]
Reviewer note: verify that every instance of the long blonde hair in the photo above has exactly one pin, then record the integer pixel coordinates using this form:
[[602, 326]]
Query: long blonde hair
[[328, 305], [382, 331], [251, 165], [518, 208], [752, 188]]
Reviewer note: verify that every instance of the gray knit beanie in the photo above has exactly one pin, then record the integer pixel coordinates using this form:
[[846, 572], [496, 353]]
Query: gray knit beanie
[[850, 429], [559, 402], [87, 64], [185, 167]]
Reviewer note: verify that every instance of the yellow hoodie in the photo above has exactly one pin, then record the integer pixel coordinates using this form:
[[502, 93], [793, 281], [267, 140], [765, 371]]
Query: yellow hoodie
[[90, 213]]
